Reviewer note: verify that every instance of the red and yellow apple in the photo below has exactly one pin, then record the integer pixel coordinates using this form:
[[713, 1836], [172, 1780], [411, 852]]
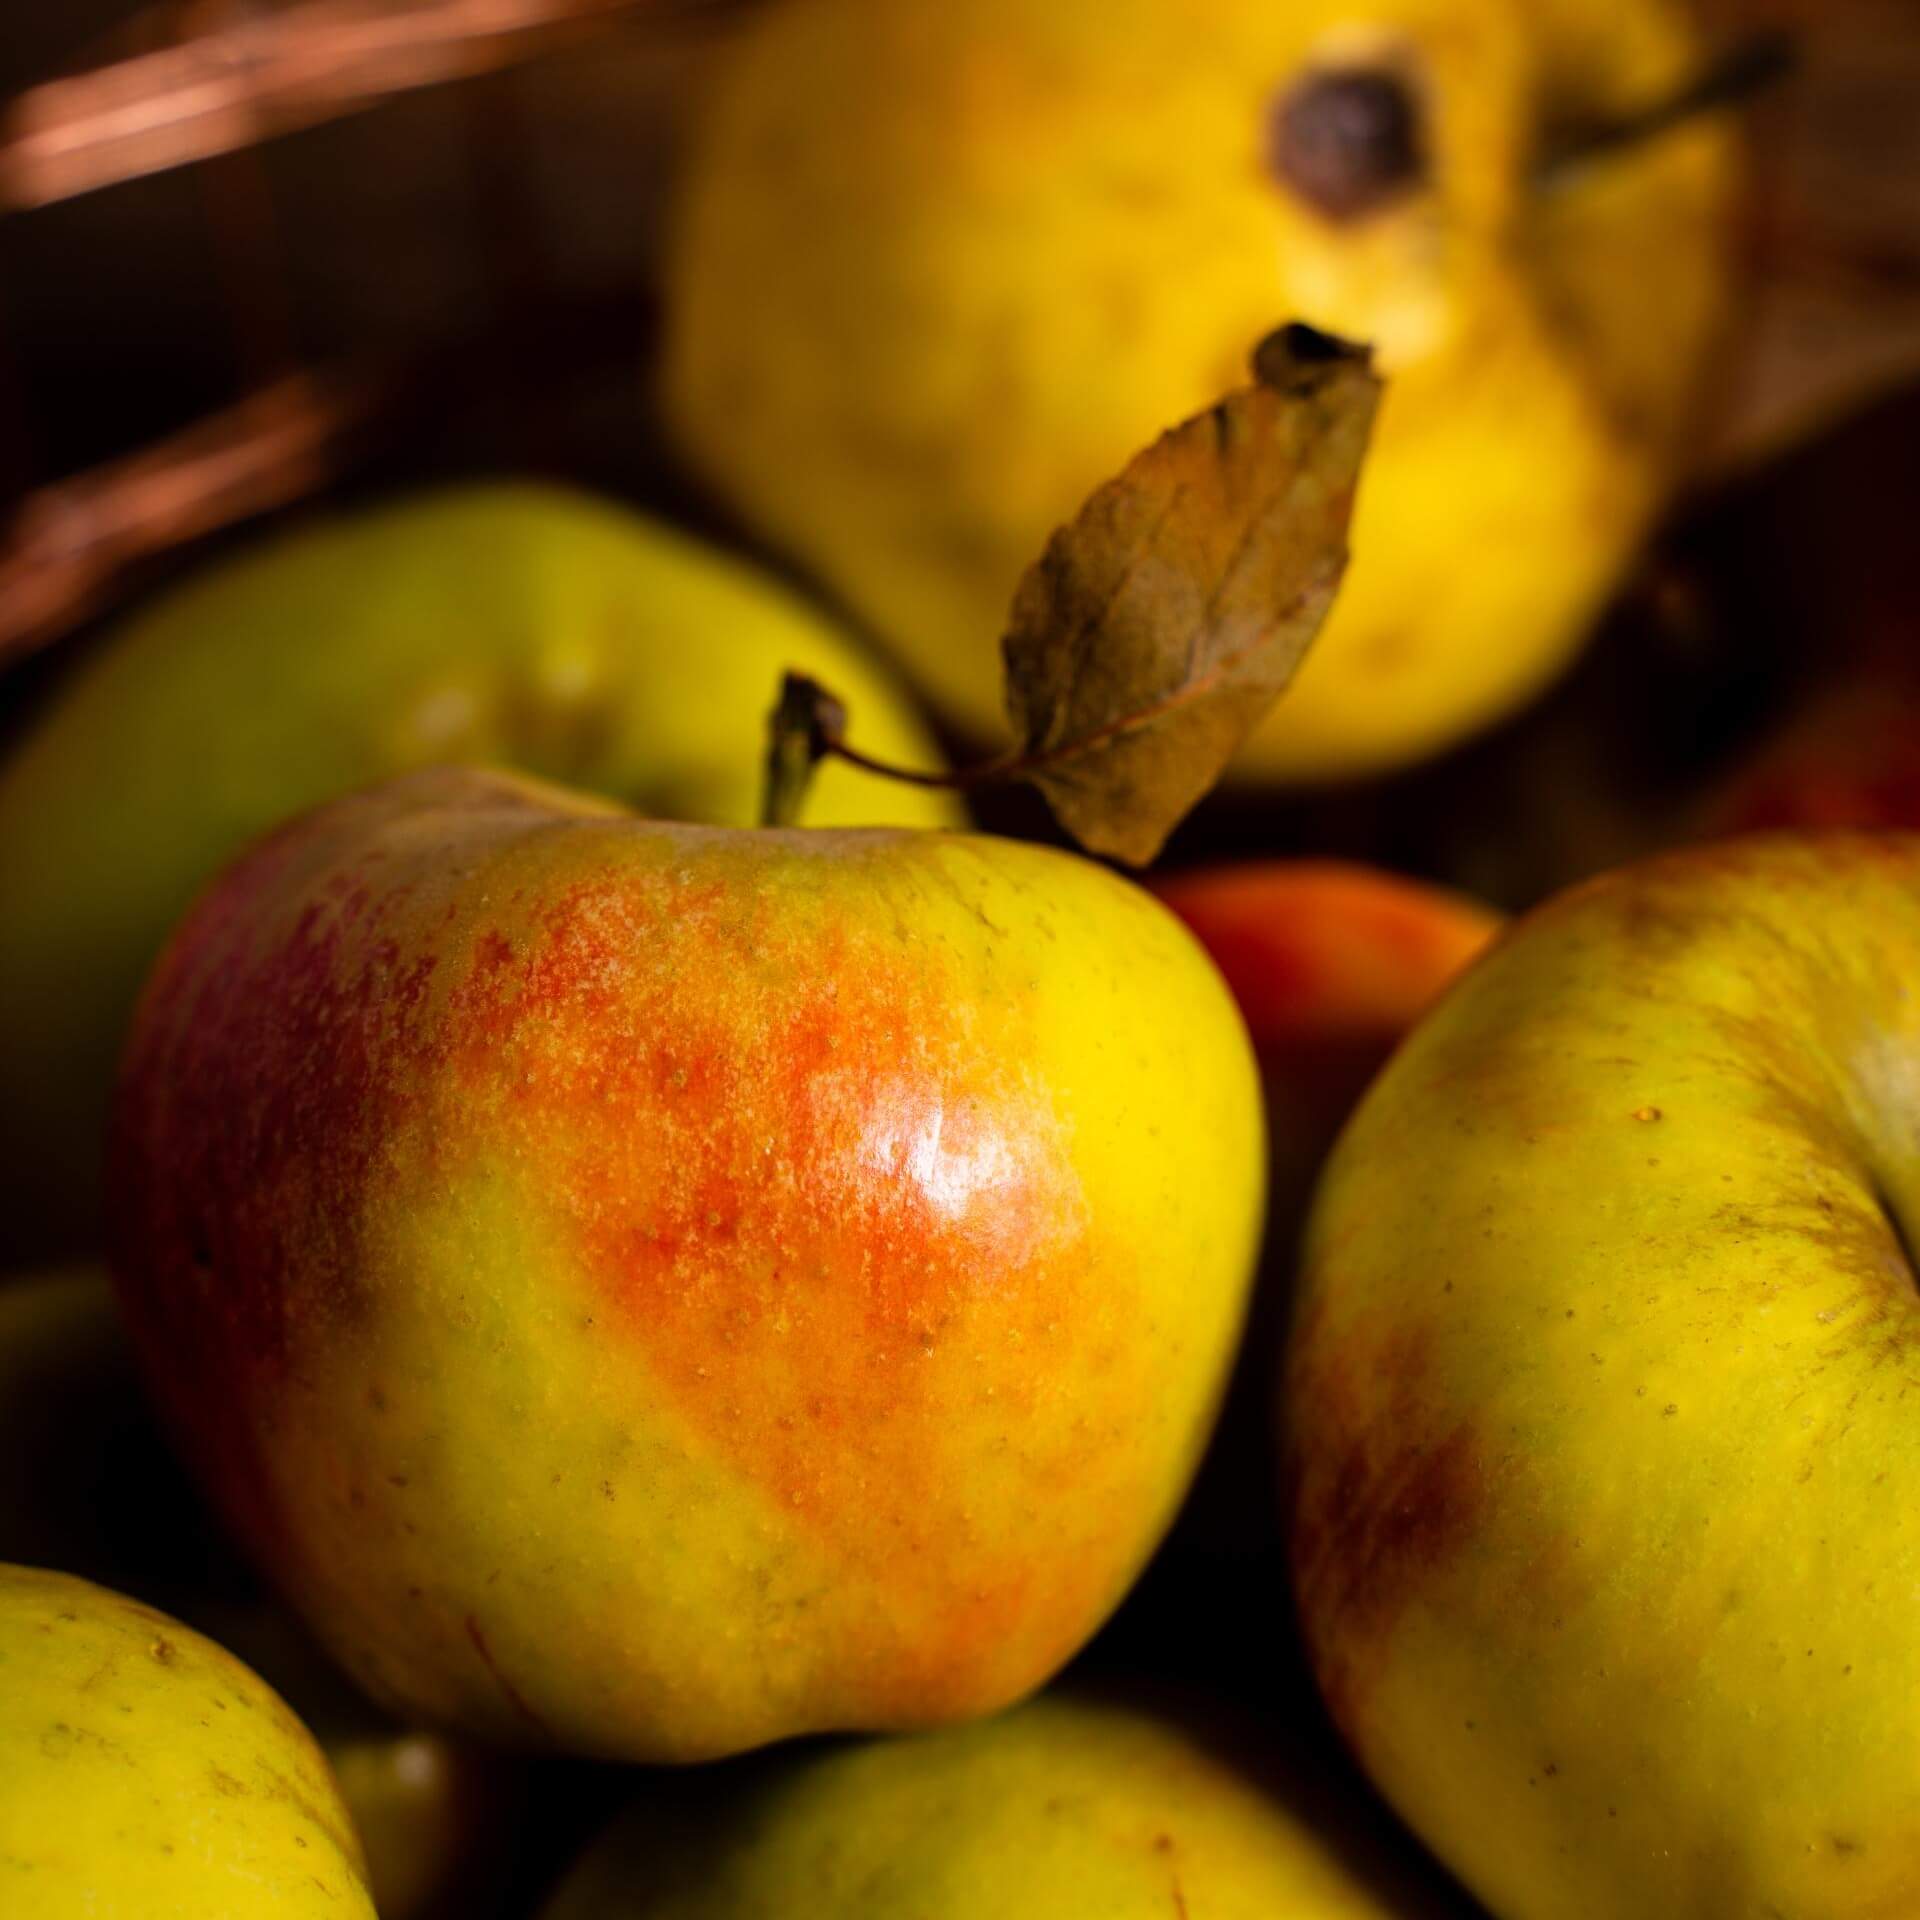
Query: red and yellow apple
[[1600, 1399], [651, 1289]]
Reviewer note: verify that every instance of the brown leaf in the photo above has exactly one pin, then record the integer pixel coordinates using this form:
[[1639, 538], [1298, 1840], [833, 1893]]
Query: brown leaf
[[1158, 628]]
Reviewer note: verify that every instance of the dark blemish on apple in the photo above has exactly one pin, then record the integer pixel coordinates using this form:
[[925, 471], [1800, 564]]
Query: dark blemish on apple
[[514, 1697], [1405, 1488], [1347, 141]]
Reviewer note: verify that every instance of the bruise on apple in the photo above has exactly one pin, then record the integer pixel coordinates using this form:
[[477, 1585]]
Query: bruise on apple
[[1407, 1490]]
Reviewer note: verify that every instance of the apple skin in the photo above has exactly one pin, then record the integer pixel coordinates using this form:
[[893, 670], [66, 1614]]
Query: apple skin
[[522, 625], [1068, 1806], [1331, 964], [1599, 1398], [651, 1289], [1850, 759], [145, 1771], [936, 272]]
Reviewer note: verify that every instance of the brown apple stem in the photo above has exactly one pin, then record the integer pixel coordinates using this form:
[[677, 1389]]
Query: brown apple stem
[[809, 724], [1749, 67]]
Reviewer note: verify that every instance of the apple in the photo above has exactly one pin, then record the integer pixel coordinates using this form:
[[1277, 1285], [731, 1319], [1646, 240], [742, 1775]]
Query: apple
[[1331, 963], [1066, 1807], [144, 1771], [434, 1815], [1598, 1403], [87, 1485], [1850, 758], [650, 1289], [937, 270], [520, 624]]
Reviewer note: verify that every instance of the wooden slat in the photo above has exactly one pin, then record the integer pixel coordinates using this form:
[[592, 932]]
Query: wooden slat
[[256, 75], [68, 547]]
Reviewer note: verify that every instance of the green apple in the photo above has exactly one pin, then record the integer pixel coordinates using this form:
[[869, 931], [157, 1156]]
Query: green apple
[[1601, 1401], [145, 1771], [87, 1485], [650, 1289], [523, 625], [1065, 1807]]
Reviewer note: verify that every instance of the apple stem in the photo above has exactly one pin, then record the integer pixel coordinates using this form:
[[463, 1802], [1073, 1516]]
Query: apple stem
[[808, 724], [1745, 69]]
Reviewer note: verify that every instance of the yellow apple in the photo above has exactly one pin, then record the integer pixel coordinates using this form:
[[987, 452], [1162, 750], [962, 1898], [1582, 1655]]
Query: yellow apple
[[1068, 1807], [1600, 1399], [144, 1771], [938, 270]]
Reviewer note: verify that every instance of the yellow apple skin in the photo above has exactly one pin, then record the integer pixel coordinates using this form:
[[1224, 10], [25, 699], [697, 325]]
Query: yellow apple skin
[[144, 1771], [1600, 1402], [1065, 1807], [523, 625], [650, 1289], [939, 271]]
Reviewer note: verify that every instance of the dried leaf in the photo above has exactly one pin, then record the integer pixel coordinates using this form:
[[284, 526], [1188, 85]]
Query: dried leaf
[[1159, 627]]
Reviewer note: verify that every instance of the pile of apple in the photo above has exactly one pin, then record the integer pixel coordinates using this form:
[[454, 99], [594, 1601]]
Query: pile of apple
[[744, 1305]]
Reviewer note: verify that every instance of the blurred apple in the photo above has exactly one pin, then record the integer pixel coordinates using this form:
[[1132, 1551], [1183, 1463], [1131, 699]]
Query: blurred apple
[[1851, 758], [937, 270], [1069, 1806]]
